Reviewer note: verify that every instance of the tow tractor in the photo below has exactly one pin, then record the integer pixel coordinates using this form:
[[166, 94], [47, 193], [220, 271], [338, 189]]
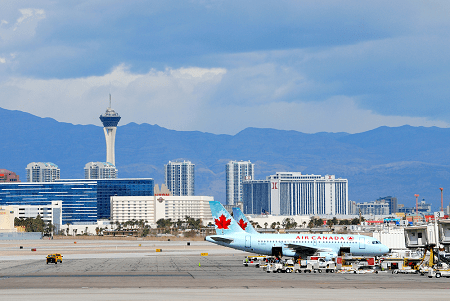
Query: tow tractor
[[255, 261], [441, 269], [54, 258]]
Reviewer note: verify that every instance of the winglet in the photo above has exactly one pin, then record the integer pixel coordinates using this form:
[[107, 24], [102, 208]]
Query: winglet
[[243, 221], [223, 221]]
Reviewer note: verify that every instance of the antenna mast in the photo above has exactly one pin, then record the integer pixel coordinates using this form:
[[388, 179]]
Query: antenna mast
[[110, 94]]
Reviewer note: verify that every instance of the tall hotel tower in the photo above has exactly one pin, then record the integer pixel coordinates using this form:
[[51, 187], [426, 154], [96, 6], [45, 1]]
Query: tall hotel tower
[[42, 172], [236, 173], [110, 120], [180, 177]]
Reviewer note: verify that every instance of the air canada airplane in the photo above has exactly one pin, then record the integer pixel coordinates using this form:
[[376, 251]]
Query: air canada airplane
[[230, 234]]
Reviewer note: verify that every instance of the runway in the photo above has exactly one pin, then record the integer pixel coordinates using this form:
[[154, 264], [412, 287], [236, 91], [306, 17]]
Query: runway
[[123, 270]]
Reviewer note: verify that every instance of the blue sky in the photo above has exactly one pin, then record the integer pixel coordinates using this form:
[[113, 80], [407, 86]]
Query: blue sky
[[221, 66]]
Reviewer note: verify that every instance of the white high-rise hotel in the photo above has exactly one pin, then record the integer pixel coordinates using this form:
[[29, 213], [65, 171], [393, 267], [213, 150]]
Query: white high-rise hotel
[[180, 178], [42, 172], [110, 120], [236, 173], [100, 170]]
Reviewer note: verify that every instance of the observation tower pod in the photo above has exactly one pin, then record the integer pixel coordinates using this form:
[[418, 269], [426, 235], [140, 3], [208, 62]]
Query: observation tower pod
[[110, 120]]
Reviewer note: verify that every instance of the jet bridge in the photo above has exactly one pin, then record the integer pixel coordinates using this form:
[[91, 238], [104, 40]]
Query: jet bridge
[[444, 233], [420, 236]]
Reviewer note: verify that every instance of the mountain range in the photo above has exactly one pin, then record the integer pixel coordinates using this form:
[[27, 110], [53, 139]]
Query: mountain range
[[386, 161]]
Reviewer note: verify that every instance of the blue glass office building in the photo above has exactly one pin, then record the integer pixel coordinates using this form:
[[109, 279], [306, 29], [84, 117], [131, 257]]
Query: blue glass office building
[[79, 200], [256, 197], [83, 201], [121, 187]]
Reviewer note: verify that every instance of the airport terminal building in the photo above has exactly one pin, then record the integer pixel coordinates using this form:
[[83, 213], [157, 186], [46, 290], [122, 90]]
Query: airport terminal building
[[291, 193], [83, 201]]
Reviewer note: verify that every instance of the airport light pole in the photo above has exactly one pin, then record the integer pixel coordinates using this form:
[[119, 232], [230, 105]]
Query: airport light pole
[[417, 206]]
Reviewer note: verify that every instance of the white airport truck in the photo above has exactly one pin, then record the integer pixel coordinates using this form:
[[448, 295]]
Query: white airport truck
[[441, 269], [315, 264], [286, 266]]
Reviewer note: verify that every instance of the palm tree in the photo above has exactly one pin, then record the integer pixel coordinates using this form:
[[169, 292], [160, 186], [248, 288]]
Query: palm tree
[[294, 225], [318, 222], [118, 226]]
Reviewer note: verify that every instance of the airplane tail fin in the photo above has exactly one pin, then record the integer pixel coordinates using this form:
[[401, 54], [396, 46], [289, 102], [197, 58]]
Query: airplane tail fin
[[243, 221], [223, 221]]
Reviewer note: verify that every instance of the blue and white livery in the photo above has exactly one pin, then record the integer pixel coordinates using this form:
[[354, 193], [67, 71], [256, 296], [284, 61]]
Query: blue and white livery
[[230, 234]]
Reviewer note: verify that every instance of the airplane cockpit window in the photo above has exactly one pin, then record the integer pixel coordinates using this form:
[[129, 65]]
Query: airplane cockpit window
[[376, 242]]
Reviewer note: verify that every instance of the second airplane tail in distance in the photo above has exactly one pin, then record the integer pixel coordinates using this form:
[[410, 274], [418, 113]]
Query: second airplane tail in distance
[[242, 221]]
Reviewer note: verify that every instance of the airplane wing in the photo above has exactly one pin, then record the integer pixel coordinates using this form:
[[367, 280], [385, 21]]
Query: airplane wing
[[306, 249], [222, 239]]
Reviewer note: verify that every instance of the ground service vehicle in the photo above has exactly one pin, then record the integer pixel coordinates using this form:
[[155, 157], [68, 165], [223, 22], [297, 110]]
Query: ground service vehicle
[[275, 267], [280, 267], [315, 264], [438, 273], [255, 261], [441, 269], [54, 258]]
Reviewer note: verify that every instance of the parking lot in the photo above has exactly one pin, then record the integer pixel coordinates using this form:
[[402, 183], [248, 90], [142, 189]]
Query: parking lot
[[124, 266]]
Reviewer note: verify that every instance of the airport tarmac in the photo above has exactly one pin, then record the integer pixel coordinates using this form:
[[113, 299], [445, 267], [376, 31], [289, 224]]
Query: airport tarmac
[[123, 270]]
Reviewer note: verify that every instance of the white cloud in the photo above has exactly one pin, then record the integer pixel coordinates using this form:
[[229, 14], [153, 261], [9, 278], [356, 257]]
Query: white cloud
[[2, 60], [173, 98], [24, 28], [29, 13], [184, 99]]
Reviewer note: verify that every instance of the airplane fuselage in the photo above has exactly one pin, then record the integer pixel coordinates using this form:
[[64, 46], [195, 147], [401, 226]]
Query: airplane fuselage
[[358, 245]]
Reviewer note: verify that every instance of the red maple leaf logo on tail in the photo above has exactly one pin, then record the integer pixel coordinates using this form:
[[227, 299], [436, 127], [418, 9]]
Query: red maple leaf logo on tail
[[222, 222], [242, 224]]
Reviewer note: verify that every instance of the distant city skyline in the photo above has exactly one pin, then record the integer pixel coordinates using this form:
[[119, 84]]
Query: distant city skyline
[[307, 66], [374, 161]]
